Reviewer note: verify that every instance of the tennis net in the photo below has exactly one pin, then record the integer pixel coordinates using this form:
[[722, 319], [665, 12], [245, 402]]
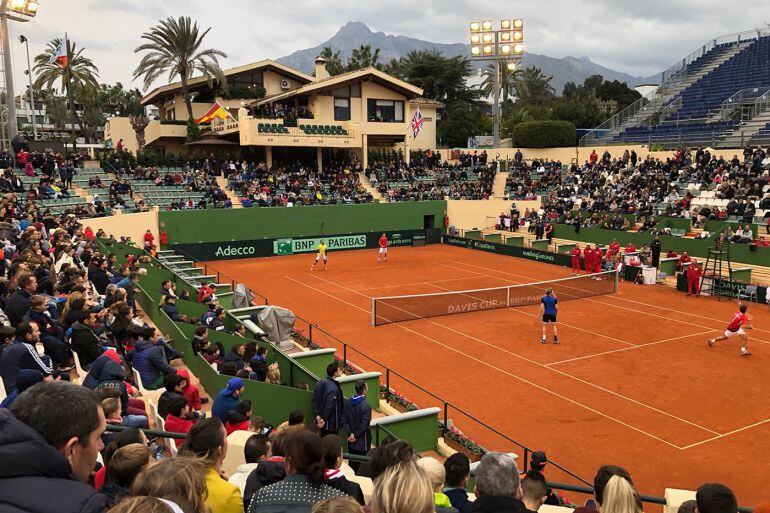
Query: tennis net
[[386, 310]]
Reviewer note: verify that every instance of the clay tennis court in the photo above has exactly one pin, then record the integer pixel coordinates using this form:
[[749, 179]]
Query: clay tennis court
[[633, 381]]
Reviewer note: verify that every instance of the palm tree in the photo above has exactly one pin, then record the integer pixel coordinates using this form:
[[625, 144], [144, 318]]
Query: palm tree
[[79, 72], [333, 60], [535, 89], [363, 57], [508, 81], [174, 46], [56, 109]]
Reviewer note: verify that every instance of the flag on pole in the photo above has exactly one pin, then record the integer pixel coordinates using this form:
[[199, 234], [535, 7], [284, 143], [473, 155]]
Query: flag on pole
[[216, 111], [416, 124], [59, 56]]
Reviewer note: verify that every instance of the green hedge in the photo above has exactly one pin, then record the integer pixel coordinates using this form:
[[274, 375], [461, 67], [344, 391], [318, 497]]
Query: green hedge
[[544, 134]]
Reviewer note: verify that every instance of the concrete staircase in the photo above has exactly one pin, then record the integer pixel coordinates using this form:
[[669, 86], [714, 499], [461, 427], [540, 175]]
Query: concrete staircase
[[669, 92], [740, 136], [371, 189], [222, 182], [498, 188]]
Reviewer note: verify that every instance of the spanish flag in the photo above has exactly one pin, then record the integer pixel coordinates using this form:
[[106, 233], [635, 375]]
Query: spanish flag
[[59, 56], [216, 111]]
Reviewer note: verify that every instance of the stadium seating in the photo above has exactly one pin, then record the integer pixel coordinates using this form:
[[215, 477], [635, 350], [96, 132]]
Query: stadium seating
[[272, 128], [323, 130]]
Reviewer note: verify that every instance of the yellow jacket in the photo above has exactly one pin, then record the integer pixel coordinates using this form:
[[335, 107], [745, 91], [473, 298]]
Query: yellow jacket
[[223, 497]]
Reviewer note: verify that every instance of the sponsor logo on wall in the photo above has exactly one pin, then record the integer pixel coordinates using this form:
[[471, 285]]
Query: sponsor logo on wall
[[291, 246], [231, 251]]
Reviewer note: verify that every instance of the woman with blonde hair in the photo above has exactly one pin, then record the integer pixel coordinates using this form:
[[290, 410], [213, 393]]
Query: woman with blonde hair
[[337, 505], [273, 375], [403, 488], [620, 496], [146, 505], [179, 480]]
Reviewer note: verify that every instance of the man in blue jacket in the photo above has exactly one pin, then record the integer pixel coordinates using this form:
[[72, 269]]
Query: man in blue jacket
[[328, 402], [149, 359], [227, 399], [358, 416]]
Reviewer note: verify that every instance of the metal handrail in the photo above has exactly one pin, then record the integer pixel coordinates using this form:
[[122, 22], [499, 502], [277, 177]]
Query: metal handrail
[[446, 405]]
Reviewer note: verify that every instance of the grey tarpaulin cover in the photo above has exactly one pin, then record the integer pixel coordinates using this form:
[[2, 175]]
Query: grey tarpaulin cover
[[242, 296], [276, 322]]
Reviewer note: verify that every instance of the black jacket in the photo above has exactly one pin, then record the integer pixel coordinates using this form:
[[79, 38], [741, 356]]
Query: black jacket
[[351, 488], [266, 473], [259, 367], [329, 404], [459, 499], [85, 343], [358, 416], [16, 306], [35, 477], [99, 278], [498, 504]]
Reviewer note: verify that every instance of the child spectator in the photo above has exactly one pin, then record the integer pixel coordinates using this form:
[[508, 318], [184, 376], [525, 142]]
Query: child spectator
[[176, 419], [238, 419]]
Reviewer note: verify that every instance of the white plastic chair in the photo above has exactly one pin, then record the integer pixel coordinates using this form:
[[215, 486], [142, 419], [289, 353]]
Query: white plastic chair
[[3, 393], [82, 373], [140, 386]]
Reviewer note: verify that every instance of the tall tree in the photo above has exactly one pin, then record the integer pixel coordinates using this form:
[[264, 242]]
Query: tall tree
[[535, 89], [441, 78], [509, 79], [333, 60], [174, 46], [364, 57], [79, 72]]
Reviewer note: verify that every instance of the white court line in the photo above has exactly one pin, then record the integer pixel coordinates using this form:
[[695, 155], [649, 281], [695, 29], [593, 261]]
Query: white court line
[[754, 339], [413, 283], [487, 364], [744, 428], [524, 358], [630, 348]]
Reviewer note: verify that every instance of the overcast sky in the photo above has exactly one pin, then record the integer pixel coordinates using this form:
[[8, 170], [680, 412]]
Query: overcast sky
[[637, 37]]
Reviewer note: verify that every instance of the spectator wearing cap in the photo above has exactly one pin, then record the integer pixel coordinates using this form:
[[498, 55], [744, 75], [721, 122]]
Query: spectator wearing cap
[[149, 359], [227, 399], [24, 379], [328, 401], [22, 354], [715, 498], [49, 441], [498, 489], [457, 468], [168, 305], [357, 420]]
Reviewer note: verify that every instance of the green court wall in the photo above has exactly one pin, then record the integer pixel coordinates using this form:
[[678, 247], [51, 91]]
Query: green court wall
[[222, 225]]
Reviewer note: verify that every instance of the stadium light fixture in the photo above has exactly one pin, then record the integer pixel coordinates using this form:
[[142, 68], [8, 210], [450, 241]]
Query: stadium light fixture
[[504, 47], [23, 7]]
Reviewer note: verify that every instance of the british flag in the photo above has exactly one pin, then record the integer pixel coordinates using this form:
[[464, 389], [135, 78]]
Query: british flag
[[416, 124]]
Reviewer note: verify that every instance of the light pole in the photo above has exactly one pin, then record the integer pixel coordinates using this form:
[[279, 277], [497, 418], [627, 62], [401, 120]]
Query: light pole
[[501, 46], [16, 10], [24, 40]]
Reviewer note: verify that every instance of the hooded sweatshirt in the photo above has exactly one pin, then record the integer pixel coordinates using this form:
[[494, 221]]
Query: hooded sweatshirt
[[191, 392]]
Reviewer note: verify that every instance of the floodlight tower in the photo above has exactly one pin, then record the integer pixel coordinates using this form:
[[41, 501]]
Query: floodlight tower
[[504, 47]]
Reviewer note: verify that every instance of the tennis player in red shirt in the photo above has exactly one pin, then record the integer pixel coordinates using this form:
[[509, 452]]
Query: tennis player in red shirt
[[588, 258], [575, 253], [383, 247], [740, 319]]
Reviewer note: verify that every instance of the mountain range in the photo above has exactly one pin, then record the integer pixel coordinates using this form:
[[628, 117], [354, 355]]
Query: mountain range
[[355, 33]]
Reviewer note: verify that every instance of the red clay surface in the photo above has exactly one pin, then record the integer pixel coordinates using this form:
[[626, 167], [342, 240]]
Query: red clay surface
[[633, 381]]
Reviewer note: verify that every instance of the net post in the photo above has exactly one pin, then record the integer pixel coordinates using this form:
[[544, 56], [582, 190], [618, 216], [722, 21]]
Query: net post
[[374, 316], [507, 296], [617, 275]]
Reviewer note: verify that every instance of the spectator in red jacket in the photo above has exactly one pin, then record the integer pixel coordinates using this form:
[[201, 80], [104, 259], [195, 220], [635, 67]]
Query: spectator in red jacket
[[239, 418], [176, 418], [575, 254], [614, 248], [694, 274], [684, 259], [190, 391], [630, 248], [149, 238], [588, 259]]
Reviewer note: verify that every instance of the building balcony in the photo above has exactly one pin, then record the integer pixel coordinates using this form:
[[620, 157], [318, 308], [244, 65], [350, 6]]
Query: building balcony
[[273, 132], [158, 130]]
